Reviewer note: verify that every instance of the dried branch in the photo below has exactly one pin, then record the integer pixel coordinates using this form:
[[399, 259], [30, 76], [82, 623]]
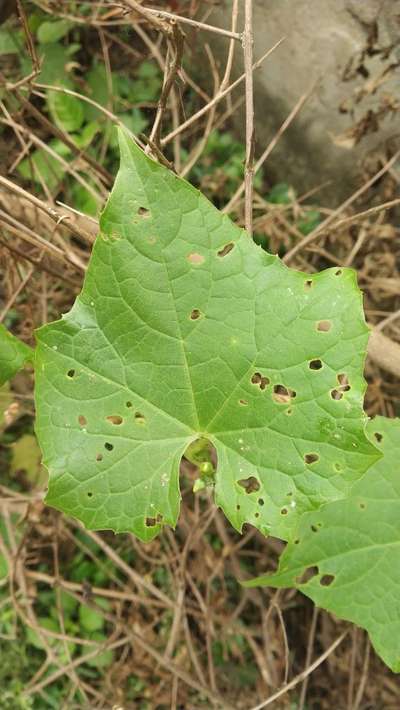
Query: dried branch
[[176, 46], [216, 99], [270, 147], [327, 222], [249, 93], [301, 676], [195, 23]]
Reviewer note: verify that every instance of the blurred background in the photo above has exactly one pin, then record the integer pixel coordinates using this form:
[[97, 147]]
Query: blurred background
[[90, 620]]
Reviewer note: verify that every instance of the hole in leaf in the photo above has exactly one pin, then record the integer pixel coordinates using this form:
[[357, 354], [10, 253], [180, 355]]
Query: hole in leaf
[[90, 494], [114, 419], [260, 501], [339, 272], [250, 484], [195, 314], [71, 373], [289, 411], [226, 249], [284, 511], [344, 382], [140, 418], [151, 522], [327, 579], [337, 467], [308, 284], [108, 446], [99, 457], [308, 574], [282, 394], [238, 507], [260, 380], [378, 436], [82, 420], [311, 458], [336, 394], [314, 528], [129, 405], [257, 515], [315, 364], [243, 402], [195, 258], [324, 326], [362, 506], [296, 542], [144, 212]]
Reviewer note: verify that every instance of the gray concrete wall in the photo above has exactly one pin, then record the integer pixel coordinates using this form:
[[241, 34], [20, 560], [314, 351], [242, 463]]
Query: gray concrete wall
[[352, 121]]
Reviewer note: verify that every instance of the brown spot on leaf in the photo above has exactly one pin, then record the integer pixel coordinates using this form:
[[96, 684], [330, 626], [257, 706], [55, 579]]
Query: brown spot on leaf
[[282, 394], [195, 258], [226, 249], [250, 484], [324, 326], [114, 419]]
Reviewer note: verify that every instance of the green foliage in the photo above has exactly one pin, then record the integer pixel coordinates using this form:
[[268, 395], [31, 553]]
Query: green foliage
[[281, 194], [185, 329], [346, 556], [42, 166], [13, 355], [9, 41], [53, 31], [85, 124], [310, 222], [219, 170], [67, 111]]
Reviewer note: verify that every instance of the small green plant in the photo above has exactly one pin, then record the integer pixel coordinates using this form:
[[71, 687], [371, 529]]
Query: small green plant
[[187, 336]]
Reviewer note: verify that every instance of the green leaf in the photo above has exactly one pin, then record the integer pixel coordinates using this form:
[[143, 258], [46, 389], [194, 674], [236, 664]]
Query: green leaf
[[310, 222], [90, 619], [87, 134], [53, 31], [186, 329], [45, 167], [135, 120], [55, 58], [67, 111], [10, 42], [350, 550], [281, 194], [103, 658], [148, 82], [98, 91], [13, 354]]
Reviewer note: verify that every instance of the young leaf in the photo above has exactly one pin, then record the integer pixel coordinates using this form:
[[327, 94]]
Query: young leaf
[[49, 32], [13, 354], [66, 111], [347, 555], [186, 329]]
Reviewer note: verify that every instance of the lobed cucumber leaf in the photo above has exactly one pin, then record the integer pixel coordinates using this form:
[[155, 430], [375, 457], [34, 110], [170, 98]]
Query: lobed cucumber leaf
[[13, 355], [346, 557], [185, 329]]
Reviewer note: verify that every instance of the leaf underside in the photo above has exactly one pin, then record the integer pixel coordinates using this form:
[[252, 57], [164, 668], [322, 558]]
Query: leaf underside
[[13, 355], [186, 329], [346, 557]]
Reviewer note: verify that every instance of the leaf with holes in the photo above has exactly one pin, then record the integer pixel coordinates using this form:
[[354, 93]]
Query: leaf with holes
[[185, 329], [347, 555], [13, 354]]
